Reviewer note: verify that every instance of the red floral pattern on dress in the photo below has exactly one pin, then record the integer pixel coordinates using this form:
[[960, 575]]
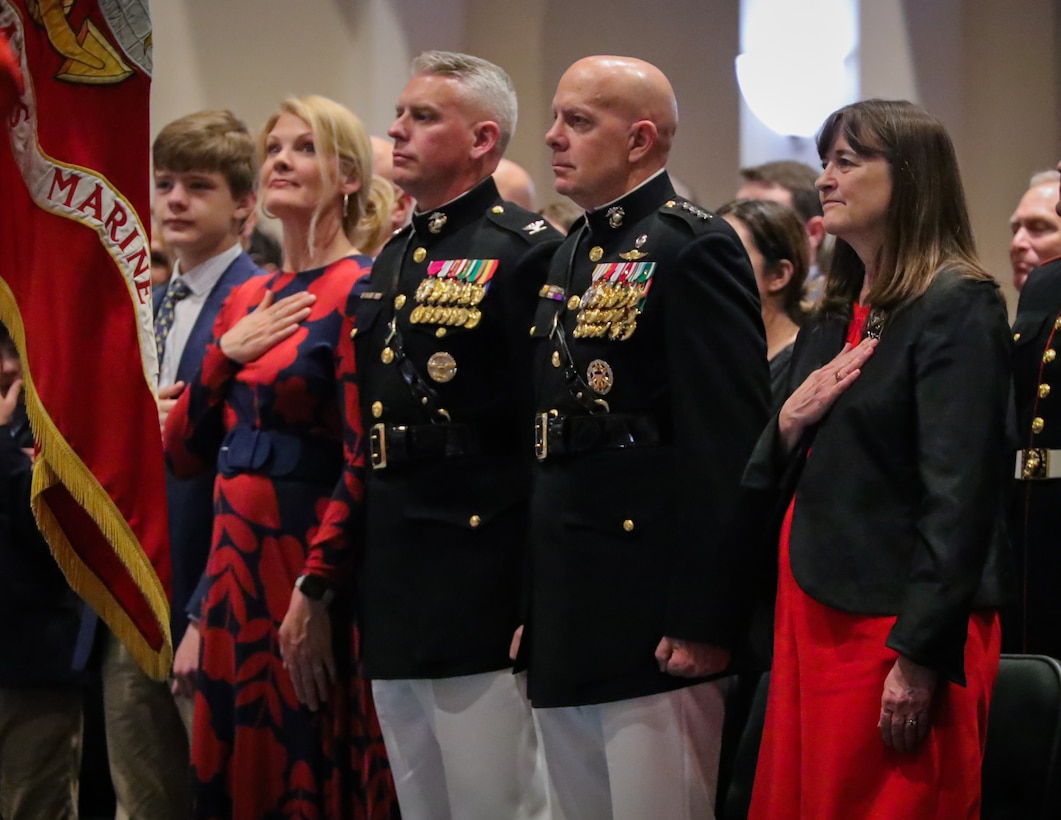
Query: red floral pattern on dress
[[256, 752]]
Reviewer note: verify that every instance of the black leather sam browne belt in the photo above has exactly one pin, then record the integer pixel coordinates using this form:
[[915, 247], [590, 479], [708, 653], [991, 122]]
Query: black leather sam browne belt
[[557, 435], [391, 445]]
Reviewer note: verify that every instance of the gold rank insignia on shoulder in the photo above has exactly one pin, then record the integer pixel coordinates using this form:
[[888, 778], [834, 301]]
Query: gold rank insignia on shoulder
[[615, 216], [372, 294], [615, 298], [436, 222], [537, 226], [450, 292]]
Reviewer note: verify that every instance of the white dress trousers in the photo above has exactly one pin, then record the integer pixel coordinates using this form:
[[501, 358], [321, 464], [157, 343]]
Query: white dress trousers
[[462, 748], [644, 758]]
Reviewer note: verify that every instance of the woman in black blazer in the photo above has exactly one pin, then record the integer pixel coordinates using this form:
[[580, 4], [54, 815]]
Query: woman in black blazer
[[890, 460]]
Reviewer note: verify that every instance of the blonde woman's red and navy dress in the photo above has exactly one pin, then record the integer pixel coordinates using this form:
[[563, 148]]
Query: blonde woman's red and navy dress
[[274, 427]]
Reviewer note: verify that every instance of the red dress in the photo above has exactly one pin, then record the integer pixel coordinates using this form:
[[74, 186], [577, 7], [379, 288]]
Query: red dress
[[256, 752], [821, 756]]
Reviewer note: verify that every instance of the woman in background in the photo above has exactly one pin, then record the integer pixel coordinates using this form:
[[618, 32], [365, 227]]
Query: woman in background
[[774, 238], [266, 406]]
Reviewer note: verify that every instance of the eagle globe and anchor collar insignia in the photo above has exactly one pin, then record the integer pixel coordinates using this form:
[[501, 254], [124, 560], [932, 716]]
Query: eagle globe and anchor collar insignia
[[436, 222]]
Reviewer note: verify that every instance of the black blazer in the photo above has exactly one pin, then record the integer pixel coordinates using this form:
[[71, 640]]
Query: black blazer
[[900, 503]]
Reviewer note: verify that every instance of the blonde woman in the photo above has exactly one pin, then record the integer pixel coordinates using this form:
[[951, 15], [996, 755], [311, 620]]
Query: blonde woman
[[266, 406]]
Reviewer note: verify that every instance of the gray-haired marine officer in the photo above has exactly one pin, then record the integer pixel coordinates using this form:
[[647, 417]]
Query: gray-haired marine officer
[[651, 392], [444, 376]]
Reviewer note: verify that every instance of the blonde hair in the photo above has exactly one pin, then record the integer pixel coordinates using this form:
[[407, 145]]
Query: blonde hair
[[374, 228], [338, 134]]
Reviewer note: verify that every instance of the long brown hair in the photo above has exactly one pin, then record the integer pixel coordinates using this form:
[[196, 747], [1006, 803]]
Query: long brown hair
[[927, 226]]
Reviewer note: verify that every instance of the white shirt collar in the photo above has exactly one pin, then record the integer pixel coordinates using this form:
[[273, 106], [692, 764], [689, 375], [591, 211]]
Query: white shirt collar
[[202, 278]]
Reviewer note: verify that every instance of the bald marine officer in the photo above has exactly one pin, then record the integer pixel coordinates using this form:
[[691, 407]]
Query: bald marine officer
[[651, 392]]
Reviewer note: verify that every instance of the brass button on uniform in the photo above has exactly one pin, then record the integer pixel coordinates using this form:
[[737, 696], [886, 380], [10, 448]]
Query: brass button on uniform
[[573, 303], [420, 254], [1057, 323], [533, 328], [556, 358], [474, 521], [353, 333], [1037, 424], [387, 356], [399, 301], [440, 332], [497, 209], [377, 409], [595, 253], [1049, 355], [1016, 337], [1044, 391], [628, 525]]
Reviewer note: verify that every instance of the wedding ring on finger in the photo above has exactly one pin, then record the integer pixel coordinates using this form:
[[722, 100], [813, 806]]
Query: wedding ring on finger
[[839, 376], [911, 722]]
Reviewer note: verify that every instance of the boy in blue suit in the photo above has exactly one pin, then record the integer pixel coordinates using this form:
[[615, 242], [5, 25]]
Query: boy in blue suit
[[204, 175]]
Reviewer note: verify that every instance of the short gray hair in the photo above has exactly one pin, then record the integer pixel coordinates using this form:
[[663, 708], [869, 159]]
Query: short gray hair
[[1048, 177], [487, 84]]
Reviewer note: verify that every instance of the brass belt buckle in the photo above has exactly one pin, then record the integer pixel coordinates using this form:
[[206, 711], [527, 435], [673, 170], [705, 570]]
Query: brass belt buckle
[[1035, 463], [377, 442], [541, 436]]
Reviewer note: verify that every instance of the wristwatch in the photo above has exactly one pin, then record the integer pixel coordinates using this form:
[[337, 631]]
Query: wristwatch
[[315, 588]]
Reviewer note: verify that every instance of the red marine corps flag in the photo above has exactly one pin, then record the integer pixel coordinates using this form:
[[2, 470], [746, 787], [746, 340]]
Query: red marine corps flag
[[75, 294]]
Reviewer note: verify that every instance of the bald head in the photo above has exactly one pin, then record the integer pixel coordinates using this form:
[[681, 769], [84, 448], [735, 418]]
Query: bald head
[[631, 87], [614, 120], [514, 184], [401, 208], [382, 158]]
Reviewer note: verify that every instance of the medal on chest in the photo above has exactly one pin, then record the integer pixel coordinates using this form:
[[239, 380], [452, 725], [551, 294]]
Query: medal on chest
[[610, 306], [451, 291]]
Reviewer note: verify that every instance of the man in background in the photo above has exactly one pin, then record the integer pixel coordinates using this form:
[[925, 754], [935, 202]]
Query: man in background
[[793, 184], [1036, 227]]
